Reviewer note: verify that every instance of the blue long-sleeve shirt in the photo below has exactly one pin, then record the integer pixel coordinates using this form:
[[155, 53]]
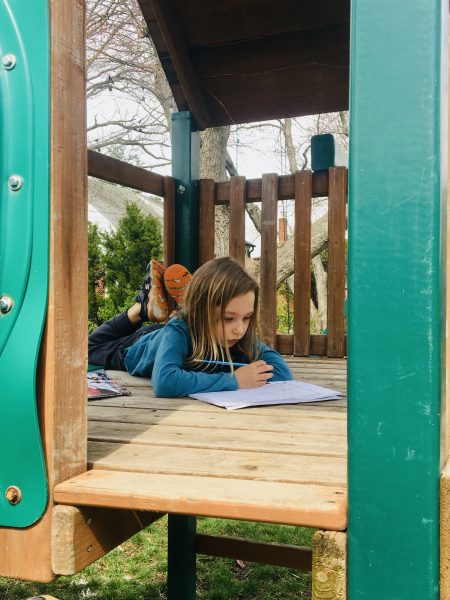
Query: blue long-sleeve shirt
[[162, 354]]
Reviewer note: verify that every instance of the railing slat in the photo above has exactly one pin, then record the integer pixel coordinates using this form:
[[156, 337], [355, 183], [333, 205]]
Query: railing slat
[[268, 257], [302, 263], [206, 216], [336, 261], [169, 220], [237, 218]]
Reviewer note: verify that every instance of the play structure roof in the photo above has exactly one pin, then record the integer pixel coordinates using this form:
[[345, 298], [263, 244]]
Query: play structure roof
[[237, 61]]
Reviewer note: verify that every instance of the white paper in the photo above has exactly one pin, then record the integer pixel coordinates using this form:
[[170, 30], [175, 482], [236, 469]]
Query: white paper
[[278, 392]]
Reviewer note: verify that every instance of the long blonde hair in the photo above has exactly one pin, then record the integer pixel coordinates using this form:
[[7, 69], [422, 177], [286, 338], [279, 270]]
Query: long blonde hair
[[212, 287]]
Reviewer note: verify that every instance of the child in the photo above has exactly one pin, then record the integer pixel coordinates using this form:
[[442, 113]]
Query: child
[[215, 326]]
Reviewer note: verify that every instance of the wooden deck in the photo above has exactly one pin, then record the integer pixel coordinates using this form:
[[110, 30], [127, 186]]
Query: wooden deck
[[281, 464]]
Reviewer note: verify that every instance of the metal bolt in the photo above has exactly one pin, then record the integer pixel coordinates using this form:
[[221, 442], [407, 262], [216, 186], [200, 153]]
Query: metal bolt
[[90, 548], [6, 304], [181, 189], [9, 61], [89, 521], [13, 495], [15, 182]]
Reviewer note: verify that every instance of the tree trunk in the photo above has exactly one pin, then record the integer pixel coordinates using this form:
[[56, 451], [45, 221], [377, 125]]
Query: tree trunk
[[213, 154], [320, 275]]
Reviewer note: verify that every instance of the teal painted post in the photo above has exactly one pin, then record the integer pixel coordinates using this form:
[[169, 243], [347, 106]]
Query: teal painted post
[[181, 573], [185, 169], [24, 248], [397, 178]]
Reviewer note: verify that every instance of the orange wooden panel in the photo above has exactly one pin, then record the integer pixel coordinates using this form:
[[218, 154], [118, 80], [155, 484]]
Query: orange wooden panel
[[237, 218], [336, 261], [302, 262], [268, 277]]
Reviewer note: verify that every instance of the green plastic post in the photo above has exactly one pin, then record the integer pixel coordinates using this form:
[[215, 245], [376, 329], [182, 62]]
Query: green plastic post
[[185, 169], [24, 247], [397, 176]]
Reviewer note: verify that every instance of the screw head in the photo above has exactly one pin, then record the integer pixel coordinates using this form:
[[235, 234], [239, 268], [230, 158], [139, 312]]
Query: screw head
[[13, 495], [6, 304], [9, 61], [181, 189], [15, 182]]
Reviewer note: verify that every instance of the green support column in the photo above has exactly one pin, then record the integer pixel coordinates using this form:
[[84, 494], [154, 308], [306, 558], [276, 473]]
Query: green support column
[[185, 169], [397, 181]]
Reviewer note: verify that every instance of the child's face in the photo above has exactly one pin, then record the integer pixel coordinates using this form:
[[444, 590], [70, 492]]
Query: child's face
[[236, 319]]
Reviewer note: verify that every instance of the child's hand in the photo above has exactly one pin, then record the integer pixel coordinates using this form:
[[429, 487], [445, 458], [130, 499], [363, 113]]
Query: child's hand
[[254, 375]]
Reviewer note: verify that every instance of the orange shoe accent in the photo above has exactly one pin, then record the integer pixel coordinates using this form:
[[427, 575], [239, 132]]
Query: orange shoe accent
[[158, 306], [176, 280]]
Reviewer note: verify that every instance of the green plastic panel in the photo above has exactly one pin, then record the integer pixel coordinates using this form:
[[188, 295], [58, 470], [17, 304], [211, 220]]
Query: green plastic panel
[[396, 213], [327, 153], [185, 170], [24, 243]]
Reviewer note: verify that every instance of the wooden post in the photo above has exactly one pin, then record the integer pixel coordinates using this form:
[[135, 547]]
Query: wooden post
[[237, 218], [329, 566], [269, 198]]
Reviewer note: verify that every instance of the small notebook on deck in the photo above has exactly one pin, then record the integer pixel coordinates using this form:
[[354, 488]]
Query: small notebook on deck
[[101, 386], [278, 392]]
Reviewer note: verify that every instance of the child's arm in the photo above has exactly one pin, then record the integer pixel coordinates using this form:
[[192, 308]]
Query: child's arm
[[170, 379], [281, 371]]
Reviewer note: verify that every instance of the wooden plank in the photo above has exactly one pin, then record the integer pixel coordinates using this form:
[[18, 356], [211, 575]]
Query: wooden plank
[[268, 275], [169, 221], [336, 261], [117, 171], [174, 40], [61, 387], [206, 220], [221, 419], [444, 541], [286, 188], [255, 466], [280, 555], [313, 444], [237, 219], [302, 263], [329, 566], [318, 344], [292, 504], [81, 536]]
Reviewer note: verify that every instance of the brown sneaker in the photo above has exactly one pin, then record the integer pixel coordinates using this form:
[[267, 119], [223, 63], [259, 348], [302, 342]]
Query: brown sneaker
[[158, 306], [176, 281]]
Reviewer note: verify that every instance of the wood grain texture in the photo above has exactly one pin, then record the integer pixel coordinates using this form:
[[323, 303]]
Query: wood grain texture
[[206, 220], [117, 171], [336, 261], [329, 566], [61, 386], [302, 262], [268, 275], [294, 504], [237, 219], [81, 536]]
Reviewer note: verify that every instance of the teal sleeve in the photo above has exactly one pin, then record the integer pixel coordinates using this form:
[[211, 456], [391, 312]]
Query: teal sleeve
[[170, 379], [281, 371]]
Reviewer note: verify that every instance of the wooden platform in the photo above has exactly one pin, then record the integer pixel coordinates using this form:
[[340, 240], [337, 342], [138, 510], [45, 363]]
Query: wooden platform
[[281, 464]]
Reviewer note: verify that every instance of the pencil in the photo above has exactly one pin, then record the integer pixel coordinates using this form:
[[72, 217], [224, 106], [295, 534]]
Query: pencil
[[223, 362]]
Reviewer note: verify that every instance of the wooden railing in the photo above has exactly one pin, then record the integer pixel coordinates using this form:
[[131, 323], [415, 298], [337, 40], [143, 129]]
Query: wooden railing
[[269, 190]]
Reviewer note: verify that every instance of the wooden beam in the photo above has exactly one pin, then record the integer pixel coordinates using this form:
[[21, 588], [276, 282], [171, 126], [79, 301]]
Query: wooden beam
[[286, 188], [117, 171], [83, 535], [281, 555], [174, 40]]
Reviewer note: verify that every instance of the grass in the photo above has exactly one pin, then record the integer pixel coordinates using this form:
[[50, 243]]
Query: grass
[[136, 570]]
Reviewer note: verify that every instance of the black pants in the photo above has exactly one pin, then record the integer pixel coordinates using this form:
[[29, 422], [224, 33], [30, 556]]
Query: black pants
[[107, 342]]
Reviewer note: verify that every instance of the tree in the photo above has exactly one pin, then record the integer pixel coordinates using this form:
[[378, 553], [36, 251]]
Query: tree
[[137, 239], [96, 274]]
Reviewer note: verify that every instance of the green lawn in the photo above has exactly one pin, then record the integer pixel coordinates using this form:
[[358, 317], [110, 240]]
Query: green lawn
[[136, 570]]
